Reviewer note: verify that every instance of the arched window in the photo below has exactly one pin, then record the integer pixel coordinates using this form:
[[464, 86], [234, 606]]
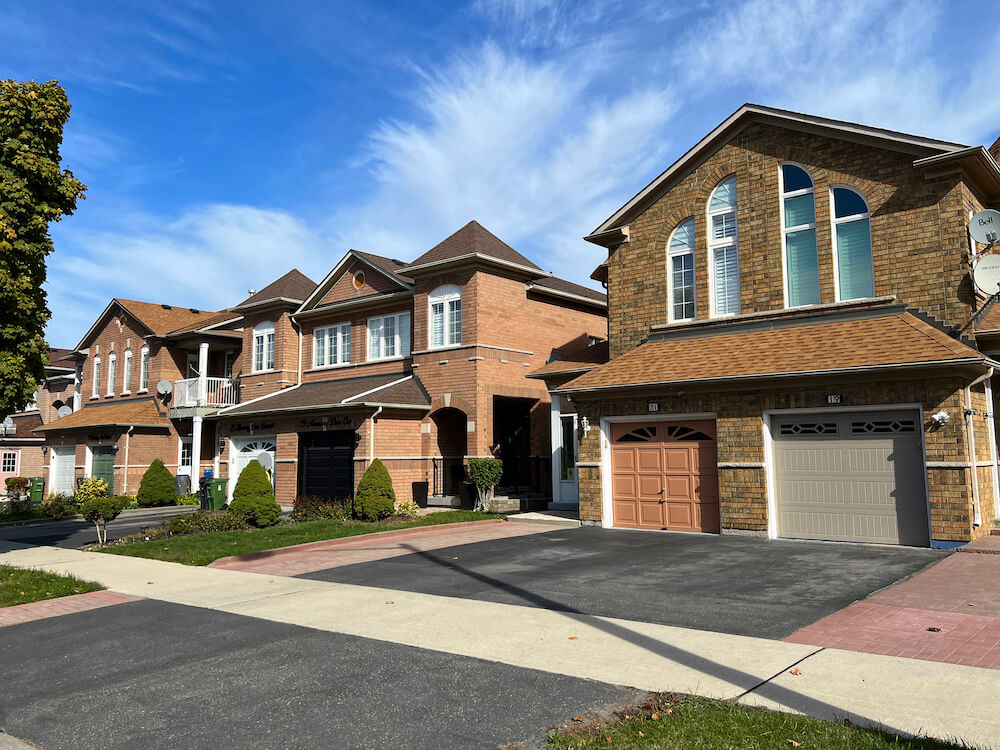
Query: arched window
[[112, 361], [723, 255], [127, 371], [680, 267], [144, 369], [445, 316], [853, 245], [263, 347], [96, 388], [798, 234]]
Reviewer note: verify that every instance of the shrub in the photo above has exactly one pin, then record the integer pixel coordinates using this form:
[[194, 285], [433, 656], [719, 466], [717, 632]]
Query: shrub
[[57, 505], [188, 499], [157, 486], [485, 474], [253, 497], [90, 489], [375, 497], [17, 484], [202, 521], [100, 510], [311, 508], [406, 509]]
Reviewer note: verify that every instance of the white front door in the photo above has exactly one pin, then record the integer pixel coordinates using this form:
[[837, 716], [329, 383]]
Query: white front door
[[184, 456], [62, 469], [568, 488], [245, 450]]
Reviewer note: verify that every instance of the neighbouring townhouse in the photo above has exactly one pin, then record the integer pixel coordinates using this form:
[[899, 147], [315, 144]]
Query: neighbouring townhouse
[[796, 346], [423, 365]]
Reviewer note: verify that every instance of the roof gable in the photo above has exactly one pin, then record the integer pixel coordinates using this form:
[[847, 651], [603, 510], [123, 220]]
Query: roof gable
[[918, 146], [473, 240], [158, 319], [382, 276]]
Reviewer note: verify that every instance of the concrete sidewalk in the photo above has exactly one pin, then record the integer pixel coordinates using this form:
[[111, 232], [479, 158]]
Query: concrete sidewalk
[[916, 697]]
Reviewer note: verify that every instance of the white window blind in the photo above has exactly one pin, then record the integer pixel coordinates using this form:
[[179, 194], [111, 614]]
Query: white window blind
[[801, 262], [723, 249], [389, 336], [680, 250], [332, 345], [727, 281], [263, 347], [127, 374], [144, 369], [96, 390], [445, 306], [852, 235], [112, 361]]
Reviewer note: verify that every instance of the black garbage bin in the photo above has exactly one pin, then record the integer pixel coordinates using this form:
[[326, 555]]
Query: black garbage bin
[[419, 490]]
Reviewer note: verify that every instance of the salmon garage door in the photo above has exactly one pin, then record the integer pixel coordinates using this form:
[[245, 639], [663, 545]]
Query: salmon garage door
[[664, 475]]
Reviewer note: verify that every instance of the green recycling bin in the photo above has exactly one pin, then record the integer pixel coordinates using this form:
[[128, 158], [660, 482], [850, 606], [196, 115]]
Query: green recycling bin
[[36, 489], [217, 493]]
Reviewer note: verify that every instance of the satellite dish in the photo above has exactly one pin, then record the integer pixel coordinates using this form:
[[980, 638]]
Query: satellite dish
[[64, 411], [986, 274], [266, 460], [164, 387], [985, 227]]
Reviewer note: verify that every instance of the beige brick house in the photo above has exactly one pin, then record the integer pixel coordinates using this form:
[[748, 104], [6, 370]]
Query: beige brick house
[[796, 346]]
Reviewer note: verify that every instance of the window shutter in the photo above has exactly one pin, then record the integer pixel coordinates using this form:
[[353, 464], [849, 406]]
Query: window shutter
[[854, 259], [802, 266]]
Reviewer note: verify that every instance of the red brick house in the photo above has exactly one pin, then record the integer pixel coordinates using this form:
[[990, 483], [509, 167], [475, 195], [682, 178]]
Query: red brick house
[[797, 349], [420, 364]]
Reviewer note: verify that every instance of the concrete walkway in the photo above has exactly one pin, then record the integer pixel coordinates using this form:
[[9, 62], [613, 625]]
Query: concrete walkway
[[918, 697]]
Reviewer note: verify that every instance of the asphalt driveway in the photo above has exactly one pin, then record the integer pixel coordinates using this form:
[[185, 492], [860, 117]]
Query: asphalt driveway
[[163, 676], [726, 584]]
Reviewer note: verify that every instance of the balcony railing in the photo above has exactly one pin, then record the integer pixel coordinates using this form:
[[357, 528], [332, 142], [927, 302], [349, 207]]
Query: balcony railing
[[218, 392]]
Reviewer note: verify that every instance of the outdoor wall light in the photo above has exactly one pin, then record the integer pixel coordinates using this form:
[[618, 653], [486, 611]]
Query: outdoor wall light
[[940, 417], [585, 424]]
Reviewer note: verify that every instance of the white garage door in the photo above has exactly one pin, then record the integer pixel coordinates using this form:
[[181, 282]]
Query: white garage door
[[856, 477], [63, 469]]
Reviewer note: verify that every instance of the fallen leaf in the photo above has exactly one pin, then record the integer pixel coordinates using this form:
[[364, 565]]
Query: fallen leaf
[[971, 604], [655, 717], [271, 580], [795, 671], [573, 638], [642, 734], [390, 602], [793, 743], [608, 738], [578, 718], [148, 582]]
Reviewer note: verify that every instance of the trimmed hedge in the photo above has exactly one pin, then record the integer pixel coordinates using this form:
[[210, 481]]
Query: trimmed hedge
[[375, 497], [253, 497], [157, 486]]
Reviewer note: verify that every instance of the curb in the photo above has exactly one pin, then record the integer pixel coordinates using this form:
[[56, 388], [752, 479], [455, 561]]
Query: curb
[[344, 540]]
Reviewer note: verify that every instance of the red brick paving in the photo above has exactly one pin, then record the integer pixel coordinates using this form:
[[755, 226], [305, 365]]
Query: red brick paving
[[333, 553], [64, 605], [959, 595]]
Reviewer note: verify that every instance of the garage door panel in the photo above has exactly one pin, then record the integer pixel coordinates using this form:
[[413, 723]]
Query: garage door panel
[[679, 488], [651, 514], [623, 459], [859, 478], [624, 486], [650, 486], [677, 460], [626, 513], [680, 516], [648, 459]]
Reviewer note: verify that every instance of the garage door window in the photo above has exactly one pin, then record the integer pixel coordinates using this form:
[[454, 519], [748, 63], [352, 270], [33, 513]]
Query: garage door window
[[884, 427], [642, 435], [808, 428]]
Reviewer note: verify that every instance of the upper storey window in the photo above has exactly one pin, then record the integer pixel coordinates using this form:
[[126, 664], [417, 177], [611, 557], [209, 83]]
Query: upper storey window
[[798, 233], [853, 245], [263, 347], [112, 361], [680, 267], [389, 336], [127, 372], [446, 316], [96, 387], [144, 369], [724, 265], [332, 345]]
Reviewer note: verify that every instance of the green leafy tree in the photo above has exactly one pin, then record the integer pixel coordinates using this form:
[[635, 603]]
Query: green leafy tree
[[101, 510], [485, 473], [253, 497], [34, 191], [375, 497], [157, 486]]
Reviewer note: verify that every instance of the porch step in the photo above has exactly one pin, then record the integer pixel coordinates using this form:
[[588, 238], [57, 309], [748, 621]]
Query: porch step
[[995, 531]]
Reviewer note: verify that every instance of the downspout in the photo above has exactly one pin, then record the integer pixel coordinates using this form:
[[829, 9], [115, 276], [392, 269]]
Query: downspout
[[371, 435], [128, 436], [977, 512]]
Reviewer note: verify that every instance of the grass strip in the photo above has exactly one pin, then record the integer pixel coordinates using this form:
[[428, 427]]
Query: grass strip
[[202, 549], [19, 586]]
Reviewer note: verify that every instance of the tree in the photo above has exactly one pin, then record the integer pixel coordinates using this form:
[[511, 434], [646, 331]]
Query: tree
[[485, 473], [253, 497], [375, 497], [157, 486], [34, 191], [102, 510]]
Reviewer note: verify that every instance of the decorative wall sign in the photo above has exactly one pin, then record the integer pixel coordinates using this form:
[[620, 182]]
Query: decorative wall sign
[[325, 422], [653, 406], [252, 427]]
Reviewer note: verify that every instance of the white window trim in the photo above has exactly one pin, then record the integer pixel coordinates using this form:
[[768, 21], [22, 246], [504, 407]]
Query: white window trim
[[714, 245], [834, 223], [17, 461], [443, 295], [670, 275], [785, 230], [112, 372], [398, 346], [143, 357], [95, 391], [341, 362], [262, 330], [127, 372]]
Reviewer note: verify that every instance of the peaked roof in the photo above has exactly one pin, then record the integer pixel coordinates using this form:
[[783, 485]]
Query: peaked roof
[[391, 266], [143, 413], [913, 144], [561, 287], [473, 240], [294, 285]]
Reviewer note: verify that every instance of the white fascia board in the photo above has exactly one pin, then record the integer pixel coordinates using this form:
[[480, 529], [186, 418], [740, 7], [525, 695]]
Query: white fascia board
[[373, 300], [337, 271], [536, 272], [378, 388], [567, 295], [259, 398]]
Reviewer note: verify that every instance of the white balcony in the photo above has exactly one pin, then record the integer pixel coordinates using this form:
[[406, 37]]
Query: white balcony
[[219, 392]]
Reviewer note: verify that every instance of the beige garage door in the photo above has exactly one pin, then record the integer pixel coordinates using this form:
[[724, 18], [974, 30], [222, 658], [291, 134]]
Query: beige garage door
[[856, 477]]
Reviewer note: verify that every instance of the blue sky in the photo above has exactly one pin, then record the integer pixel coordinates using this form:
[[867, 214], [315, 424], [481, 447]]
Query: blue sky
[[226, 142]]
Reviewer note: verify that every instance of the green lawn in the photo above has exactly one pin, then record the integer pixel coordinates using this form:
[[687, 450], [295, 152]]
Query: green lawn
[[690, 723], [201, 549], [19, 586]]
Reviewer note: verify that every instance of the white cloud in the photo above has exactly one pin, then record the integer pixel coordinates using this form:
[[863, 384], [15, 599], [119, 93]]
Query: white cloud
[[207, 258]]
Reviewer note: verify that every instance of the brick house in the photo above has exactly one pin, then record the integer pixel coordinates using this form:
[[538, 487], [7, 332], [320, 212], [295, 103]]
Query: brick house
[[420, 364], [796, 346]]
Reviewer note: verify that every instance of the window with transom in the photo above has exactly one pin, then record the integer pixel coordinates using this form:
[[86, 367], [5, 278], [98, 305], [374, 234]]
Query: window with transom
[[723, 249], [680, 267], [798, 236], [263, 347], [852, 245], [445, 328]]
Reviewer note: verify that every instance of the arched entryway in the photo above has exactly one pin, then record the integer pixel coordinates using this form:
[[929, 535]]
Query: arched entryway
[[452, 439]]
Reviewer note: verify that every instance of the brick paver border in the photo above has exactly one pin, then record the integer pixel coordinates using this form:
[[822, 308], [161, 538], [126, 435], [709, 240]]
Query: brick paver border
[[63, 605]]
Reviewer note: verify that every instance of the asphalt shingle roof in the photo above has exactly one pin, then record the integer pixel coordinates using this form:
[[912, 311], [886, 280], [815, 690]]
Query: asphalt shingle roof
[[120, 413], [162, 319], [329, 393], [294, 285], [470, 239]]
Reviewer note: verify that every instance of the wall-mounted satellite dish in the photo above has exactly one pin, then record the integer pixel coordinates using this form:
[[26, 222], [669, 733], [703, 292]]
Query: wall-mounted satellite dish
[[266, 460], [164, 387], [64, 410], [986, 274], [985, 227]]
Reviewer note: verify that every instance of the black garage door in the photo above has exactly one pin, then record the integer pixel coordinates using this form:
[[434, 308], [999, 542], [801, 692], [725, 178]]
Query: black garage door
[[326, 464]]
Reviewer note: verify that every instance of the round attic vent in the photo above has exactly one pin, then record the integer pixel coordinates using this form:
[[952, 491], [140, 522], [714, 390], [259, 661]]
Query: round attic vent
[[359, 279]]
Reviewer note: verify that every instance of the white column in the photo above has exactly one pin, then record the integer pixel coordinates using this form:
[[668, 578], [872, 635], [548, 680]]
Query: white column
[[555, 427], [195, 452], [203, 373], [77, 387]]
